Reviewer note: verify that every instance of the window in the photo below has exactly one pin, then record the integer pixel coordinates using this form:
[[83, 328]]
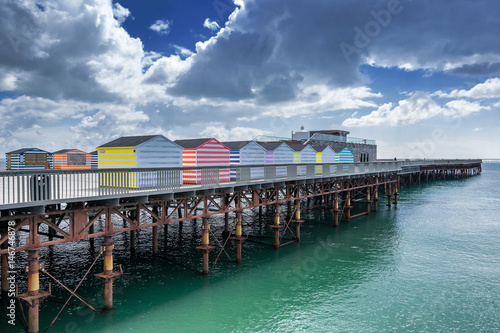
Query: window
[[32, 159], [77, 159]]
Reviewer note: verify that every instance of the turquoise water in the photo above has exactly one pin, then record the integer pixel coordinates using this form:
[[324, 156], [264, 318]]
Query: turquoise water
[[431, 264]]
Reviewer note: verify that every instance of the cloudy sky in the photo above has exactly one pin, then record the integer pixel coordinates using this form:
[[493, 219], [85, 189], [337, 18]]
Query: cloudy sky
[[420, 77]]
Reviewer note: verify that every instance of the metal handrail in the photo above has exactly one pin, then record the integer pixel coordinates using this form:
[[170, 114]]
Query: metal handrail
[[56, 186]]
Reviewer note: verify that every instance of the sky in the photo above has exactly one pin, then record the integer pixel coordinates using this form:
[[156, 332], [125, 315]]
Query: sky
[[422, 78]]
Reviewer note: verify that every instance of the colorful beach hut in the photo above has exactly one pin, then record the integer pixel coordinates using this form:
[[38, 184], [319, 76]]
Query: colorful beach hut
[[324, 154], [71, 159], [28, 159], [94, 164], [303, 154], [246, 153], [278, 152], [204, 152], [346, 155], [146, 151]]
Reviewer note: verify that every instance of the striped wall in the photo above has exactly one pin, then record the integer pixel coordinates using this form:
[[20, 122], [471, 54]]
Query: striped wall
[[346, 155], [325, 156], [17, 161], [61, 161], [211, 153], [94, 161], [306, 155], [155, 153], [117, 157], [252, 153], [282, 154]]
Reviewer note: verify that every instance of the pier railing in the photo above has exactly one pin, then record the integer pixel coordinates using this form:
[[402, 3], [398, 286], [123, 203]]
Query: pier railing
[[18, 188]]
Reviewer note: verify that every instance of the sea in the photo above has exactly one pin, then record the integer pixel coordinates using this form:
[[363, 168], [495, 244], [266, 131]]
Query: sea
[[431, 263]]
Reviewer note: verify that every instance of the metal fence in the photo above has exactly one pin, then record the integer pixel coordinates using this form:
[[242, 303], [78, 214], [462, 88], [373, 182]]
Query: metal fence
[[53, 186]]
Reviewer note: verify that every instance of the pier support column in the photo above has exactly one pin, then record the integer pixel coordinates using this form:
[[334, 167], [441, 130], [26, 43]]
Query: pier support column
[[368, 201], [205, 248], [396, 194], [375, 199], [389, 194], [297, 221], [348, 207], [276, 227], [238, 237], [225, 200], [34, 296], [155, 232], [108, 276], [336, 210]]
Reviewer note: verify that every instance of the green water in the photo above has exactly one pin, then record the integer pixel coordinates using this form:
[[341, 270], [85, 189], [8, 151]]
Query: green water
[[431, 264]]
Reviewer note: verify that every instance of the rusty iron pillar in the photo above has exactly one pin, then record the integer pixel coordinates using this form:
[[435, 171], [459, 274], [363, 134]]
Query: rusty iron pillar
[[336, 210], [226, 232], [396, 194], [368, 201], [108, 276], [155, 231], [389, 194], [205, 248], [348, 207], [375, 198], [297, 221], [238, 238], [34, 296], [276, 227]]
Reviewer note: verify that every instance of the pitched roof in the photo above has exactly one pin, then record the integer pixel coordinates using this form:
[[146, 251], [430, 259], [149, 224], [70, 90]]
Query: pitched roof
[[192, 143], [233, 145], [271, 145], [62, 151], [320, 146], [93, 152], [128, 141], [297, 146], [22, 150]]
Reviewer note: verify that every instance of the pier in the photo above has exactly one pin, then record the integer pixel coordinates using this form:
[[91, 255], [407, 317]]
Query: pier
[[59, 206]]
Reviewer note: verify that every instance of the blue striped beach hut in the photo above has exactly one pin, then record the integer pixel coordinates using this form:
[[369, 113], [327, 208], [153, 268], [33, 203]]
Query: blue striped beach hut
[[324, 154], [146, 151], [278, 152], [346, 156], [94, 160], [246, 153], [29, 159], [303, 154]]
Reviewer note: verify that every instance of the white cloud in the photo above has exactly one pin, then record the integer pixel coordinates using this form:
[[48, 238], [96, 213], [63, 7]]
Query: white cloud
[[489, 89], [419, 107], [233, 134], [161, 26], [212, 25], [121, 13]]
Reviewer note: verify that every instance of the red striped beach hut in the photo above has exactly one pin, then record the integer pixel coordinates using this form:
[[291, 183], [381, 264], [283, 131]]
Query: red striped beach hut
[[71, 159], [204, 152]]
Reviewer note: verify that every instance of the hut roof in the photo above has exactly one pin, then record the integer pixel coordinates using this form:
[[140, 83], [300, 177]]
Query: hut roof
[[320, 146], [62, 151], [271, 145], [192, 143], [129, 141], [22, 150], [93, 152], [234, 145], [296, 146]]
